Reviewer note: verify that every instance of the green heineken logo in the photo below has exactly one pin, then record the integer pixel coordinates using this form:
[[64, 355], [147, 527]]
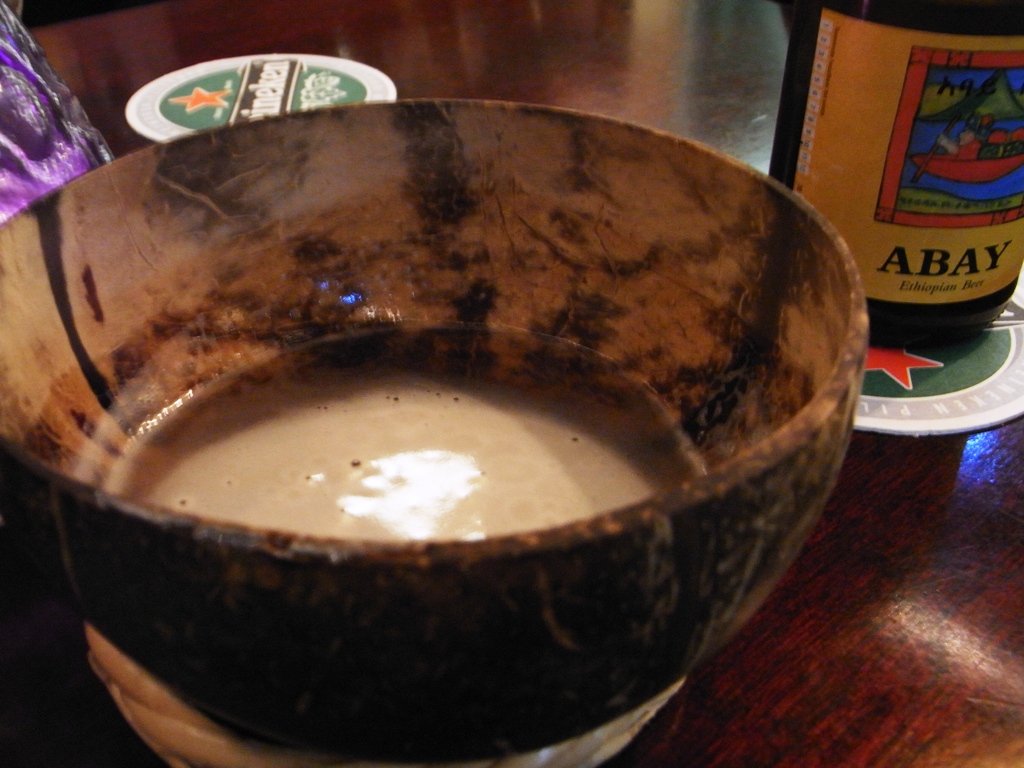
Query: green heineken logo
[[933, 390], [238, 90], [260, 88], [928, 372]]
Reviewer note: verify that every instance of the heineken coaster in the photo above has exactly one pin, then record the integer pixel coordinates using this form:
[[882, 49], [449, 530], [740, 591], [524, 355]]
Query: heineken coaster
[[228, 91], [965, 387]]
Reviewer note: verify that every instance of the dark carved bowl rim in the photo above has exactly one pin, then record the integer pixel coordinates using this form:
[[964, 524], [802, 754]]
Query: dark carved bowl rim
[[775, 448]]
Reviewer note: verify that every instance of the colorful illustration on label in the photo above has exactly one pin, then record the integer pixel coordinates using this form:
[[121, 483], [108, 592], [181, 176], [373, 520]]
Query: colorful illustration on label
[[956, 154]]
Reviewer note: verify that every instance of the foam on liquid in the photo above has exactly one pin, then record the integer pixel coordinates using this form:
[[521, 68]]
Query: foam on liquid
[[385, 453]]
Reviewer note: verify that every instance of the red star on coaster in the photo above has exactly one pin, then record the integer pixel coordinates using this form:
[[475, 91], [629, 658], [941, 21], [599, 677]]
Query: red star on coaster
[[897, 363], [200, 97]]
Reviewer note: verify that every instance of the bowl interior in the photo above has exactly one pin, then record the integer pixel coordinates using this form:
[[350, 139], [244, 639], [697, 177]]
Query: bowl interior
[[161, 272]]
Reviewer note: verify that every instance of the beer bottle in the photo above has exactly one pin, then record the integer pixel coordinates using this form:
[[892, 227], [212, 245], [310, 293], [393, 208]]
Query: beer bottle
[[902, 121]]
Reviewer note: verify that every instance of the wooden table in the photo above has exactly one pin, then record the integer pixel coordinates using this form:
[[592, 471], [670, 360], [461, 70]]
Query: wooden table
[[897, 639]]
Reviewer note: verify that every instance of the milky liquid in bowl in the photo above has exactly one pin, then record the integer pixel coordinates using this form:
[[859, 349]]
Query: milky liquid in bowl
[[440, 434]]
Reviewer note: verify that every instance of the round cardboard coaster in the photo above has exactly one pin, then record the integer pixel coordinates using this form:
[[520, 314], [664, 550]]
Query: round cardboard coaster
[[245, 88], [966, 387]]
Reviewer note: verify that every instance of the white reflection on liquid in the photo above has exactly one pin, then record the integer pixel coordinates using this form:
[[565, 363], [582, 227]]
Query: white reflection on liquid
[[412, 493]]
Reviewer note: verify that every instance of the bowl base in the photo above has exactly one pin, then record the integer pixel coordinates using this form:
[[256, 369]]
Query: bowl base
[[185, 738]]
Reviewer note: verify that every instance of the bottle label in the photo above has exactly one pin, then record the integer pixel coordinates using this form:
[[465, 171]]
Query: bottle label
[[913, 146]]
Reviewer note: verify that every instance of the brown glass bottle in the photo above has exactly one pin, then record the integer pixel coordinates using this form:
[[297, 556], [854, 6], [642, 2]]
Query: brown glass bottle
[[938, 241]]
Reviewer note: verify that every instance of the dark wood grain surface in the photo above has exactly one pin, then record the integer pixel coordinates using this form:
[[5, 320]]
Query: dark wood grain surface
[[897, 639]]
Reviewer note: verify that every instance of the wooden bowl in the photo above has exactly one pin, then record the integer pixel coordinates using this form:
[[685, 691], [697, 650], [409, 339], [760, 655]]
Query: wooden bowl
[[733, 300]]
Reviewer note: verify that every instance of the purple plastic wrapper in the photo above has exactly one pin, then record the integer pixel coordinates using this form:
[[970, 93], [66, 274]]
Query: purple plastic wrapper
[[45, 137]]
